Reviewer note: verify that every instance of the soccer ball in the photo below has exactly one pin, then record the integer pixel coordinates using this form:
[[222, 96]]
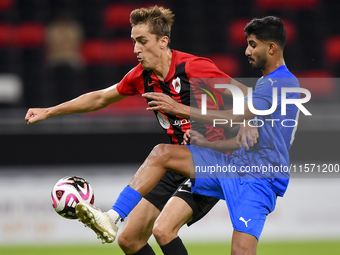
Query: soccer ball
[[68, 192]]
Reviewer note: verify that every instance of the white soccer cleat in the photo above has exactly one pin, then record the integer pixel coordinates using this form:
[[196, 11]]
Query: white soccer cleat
[[98, 221]]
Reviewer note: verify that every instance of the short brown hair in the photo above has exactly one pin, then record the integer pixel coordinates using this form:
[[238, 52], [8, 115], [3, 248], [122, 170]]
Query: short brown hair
[[157, 18]]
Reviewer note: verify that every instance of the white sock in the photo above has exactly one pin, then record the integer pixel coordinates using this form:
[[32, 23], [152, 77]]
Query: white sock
[[115, 218]]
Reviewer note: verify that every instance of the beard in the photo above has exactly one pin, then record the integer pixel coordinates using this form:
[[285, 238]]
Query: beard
[[259, 64]]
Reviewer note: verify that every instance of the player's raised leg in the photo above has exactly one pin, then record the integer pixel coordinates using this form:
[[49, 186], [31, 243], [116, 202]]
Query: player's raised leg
[[138, 228], [103, 224], [162, 158]]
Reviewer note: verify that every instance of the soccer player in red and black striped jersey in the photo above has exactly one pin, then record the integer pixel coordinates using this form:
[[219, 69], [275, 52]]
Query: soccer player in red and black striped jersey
[[175, 84], [170, 204]]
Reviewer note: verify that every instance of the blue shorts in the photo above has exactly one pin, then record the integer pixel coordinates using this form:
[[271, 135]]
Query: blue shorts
[[249, 200]]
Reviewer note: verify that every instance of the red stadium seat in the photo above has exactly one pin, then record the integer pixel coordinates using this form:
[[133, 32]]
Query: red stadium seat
[[237, 38], [235, 33], [120, 51], [97, 51], [290, 30], [6, 35], [226, 63], [287, 4], [322, 87], [6, 5], [332, 49], [118, 15], [93, 51], [29, 35]]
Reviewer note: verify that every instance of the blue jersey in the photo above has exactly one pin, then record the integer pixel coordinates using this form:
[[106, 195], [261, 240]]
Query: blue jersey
[[276, 131]]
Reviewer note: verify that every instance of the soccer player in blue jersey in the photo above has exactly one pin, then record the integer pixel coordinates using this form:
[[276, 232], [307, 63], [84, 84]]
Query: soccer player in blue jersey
[[250, 195]]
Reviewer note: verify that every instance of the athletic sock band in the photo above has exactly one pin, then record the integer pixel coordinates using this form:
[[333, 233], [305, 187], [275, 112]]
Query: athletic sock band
[[176, 246], [146, 250], [127, 200]]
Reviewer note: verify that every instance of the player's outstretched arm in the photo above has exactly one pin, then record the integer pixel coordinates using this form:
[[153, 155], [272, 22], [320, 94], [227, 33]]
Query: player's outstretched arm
[[88, 102]]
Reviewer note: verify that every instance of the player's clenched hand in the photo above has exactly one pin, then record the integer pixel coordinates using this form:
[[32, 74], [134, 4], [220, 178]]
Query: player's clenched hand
[[186, 137], [162, 102], [198, 139], [247, 133], [35, 114]]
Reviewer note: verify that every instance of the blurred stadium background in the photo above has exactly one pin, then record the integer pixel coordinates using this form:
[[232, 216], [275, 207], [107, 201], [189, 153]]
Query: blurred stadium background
[[55, 50]]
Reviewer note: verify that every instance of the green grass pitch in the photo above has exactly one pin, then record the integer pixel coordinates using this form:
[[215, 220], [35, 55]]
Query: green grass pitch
[[264, 248]]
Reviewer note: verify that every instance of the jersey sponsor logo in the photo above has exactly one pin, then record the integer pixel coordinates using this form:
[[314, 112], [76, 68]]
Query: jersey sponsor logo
[[182, 122], [176, 83], [245, 221], [163, 121]]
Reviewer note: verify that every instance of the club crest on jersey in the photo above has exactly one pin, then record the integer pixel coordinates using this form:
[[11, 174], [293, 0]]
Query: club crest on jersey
[[176, 83], [163, 121]]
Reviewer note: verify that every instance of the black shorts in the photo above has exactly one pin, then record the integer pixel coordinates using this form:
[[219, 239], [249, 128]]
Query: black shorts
[[173, 184]]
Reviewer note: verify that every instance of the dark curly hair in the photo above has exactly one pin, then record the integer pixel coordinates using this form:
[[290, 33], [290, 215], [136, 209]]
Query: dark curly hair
[[269, 28]]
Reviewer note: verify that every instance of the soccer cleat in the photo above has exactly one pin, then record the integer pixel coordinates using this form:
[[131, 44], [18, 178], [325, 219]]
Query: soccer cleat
[[98, 221]]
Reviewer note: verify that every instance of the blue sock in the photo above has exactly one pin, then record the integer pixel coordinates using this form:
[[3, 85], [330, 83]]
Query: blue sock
[[127, 200]]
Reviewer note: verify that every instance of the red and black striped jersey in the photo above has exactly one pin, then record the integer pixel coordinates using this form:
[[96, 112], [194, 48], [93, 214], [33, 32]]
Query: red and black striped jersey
[[179, 86]]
